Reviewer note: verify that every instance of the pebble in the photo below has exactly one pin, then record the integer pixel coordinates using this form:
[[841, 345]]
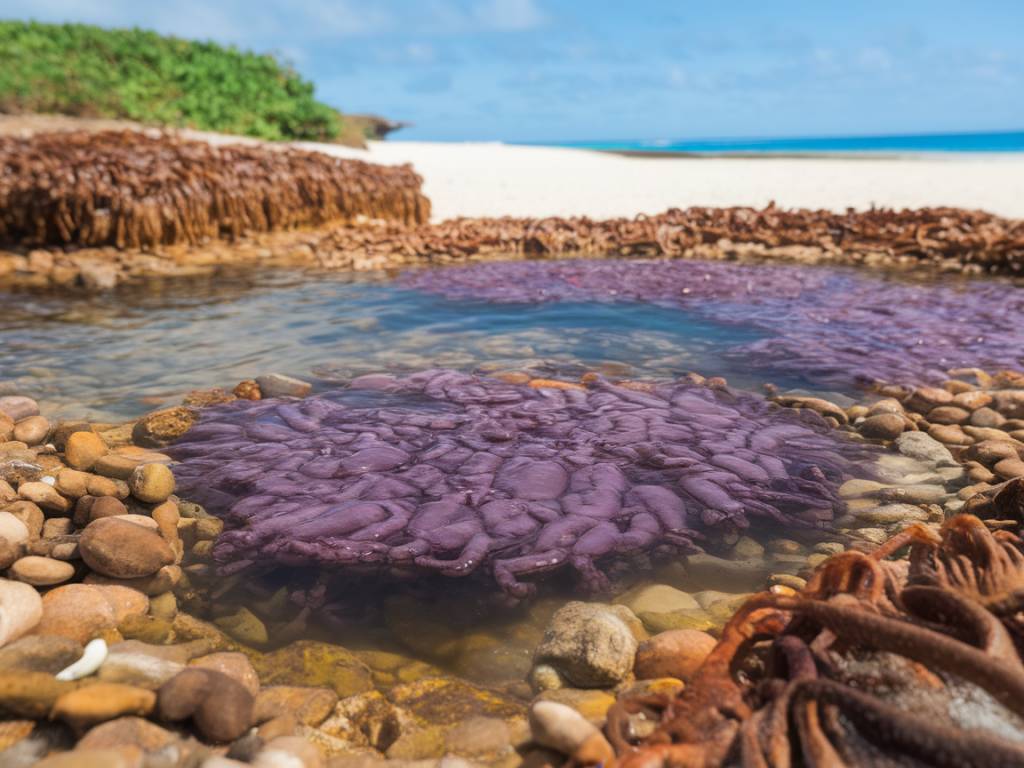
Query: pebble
[[886, 405], [590, 644], [21, 610], [100, 702], [92, 657], [115, 547], [883, 426], [13, 529], [18, 407], [919, 445], [923, 399], [9, 552], [134, 664], [747, 549], [93, 758], [677, 653], [6, 428], [29, 694], [151, 483], [32, 431], [565, 730], [950, 434], [220, 707], [656, 597], [73, 483], [35, 653], [948, 414], [244, 626], [233, 664], [972, 400], [987, 417], [41, 571], [279, 385], [46, 496], [106, 506], [84, 449], [159, 583], [129, 731], [76, 611], [1009, 468], [113, 465], [30, 514]]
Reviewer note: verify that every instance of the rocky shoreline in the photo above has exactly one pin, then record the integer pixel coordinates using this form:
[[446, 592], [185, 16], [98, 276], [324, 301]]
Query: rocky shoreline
[[121, 644], [931, 240]]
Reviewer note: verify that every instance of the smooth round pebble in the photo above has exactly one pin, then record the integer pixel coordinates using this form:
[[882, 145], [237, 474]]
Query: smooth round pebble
[[33, 430], [151, 483], [676, 653], [84, 449], [114, 547], [21, 609], [41, 571]]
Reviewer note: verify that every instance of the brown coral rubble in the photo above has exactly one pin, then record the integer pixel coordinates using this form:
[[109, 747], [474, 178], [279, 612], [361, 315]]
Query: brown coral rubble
[[134, 190], [934, 236]]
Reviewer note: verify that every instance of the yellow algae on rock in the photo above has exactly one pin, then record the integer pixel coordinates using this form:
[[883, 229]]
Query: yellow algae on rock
[[312, 663], [446, 701]]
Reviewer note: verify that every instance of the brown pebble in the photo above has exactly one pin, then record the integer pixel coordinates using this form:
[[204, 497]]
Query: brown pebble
[[120, 549], [987, 417], [948, 414], [107, 486], [84, 449], [107, 506], [73, 483], [116, 466], [1009, 468], [883, 426], [676, 653], [972, 400], [46, 496]]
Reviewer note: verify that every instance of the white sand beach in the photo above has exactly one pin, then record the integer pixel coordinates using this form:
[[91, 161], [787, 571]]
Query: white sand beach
[[492, 179]]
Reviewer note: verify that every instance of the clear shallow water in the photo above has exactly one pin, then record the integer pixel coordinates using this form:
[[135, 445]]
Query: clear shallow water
[[118, 356], [983, 142]]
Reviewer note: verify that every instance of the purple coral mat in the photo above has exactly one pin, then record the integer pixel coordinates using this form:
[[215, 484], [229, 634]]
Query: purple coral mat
[[452, 473], [831, 326]]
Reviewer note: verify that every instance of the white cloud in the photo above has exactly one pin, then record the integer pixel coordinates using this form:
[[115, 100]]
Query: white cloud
[[509, 14]]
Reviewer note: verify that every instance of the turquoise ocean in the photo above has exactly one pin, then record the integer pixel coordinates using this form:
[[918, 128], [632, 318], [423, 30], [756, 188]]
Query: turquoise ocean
[[990, 142]]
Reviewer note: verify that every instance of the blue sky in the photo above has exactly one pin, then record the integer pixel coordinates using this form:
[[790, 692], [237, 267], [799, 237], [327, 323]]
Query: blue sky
[[536, 70]]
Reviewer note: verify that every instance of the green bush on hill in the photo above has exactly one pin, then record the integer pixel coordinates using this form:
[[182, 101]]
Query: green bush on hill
[[87, 71]]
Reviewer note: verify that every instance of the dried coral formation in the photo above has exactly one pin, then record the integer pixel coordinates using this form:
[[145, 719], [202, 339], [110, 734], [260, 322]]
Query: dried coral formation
[[448, 472], [874, 663], [829, 326], [941, 236], [134, 190]]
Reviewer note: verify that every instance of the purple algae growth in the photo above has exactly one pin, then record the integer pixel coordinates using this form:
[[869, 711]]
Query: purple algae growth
[[835, 327], [452, 473]]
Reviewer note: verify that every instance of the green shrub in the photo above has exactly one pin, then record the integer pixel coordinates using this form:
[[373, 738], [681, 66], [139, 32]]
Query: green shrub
[[87, 71]]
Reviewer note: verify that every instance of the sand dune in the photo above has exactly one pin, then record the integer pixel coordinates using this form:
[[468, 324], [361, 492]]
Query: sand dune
[[489, 179]]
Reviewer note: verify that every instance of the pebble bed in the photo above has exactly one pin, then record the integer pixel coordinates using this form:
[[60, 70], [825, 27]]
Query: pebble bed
[[833, 326], [120, 645]]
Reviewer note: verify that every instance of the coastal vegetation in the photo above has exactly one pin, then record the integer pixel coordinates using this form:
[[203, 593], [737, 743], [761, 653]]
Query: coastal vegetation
[[87, 71]]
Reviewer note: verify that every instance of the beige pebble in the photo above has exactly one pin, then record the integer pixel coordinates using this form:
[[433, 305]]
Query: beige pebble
[[32, 431], [41, 571], [46, 496]]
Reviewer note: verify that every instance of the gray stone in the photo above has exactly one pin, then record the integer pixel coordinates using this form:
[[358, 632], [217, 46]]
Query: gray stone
[[919, 445], [590, 644]]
